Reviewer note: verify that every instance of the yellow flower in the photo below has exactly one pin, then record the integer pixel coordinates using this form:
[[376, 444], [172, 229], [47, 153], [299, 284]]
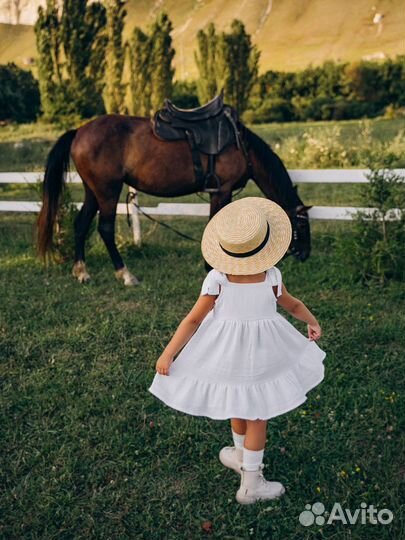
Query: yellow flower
[[318, 489]]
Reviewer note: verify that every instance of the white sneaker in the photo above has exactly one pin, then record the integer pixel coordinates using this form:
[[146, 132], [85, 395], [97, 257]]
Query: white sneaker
[[254, 487], [231, 457]]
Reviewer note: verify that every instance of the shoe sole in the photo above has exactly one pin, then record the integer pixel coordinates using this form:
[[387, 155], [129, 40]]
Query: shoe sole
[[242, 499]]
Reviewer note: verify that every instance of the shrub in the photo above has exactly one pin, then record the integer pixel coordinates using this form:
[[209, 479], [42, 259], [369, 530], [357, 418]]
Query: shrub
[[19, 94], [374, 252], [273, 110]]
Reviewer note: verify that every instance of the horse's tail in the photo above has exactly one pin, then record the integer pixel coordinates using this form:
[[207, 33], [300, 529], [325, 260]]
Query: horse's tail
[[56, 166]]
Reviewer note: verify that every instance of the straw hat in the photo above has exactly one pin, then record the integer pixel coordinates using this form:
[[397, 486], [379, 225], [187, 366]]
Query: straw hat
[[246, 237]]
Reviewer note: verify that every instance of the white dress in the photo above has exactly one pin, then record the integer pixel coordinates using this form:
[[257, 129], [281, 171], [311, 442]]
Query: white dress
[[245, 360]]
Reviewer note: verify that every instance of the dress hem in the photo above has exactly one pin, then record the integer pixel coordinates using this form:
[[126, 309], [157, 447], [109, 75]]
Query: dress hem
[[310, 383]]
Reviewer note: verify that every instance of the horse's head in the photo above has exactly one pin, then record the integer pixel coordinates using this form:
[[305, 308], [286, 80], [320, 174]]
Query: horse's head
[[300, 245]]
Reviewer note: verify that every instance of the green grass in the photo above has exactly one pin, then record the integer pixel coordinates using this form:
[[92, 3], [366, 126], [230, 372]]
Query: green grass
[[88, 452], [382, 130]]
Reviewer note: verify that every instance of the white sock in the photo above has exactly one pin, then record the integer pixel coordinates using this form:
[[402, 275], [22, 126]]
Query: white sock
[[238, 439], [252, 459]]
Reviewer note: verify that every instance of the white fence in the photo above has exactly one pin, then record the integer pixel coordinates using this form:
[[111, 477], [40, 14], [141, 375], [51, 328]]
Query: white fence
[[312, 176]]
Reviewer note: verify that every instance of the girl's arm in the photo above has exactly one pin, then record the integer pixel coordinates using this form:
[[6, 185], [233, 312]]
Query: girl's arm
[[185, 330], [298, 309]]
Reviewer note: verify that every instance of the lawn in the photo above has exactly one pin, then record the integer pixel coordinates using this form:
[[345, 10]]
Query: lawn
[[88, 452]]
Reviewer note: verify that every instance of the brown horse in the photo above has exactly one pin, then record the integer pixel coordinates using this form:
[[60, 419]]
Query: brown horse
[[116, 149]]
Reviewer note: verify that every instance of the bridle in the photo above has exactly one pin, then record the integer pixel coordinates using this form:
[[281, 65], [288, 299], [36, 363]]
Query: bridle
[[296, 220]]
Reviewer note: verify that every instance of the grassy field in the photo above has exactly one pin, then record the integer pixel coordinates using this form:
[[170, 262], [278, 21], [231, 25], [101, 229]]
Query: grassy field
[[87, 452]]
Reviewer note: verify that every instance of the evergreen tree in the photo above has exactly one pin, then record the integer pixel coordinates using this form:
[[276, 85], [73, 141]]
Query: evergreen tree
[[206, 59], [114, 96]]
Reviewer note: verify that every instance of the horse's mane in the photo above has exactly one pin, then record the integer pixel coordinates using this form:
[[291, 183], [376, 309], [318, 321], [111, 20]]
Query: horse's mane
[[277, 171]]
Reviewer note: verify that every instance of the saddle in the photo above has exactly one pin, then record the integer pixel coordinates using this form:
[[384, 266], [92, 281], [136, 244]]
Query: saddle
[[208, 129]]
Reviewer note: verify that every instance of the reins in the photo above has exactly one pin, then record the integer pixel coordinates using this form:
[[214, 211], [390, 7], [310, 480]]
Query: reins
[[130, 198]]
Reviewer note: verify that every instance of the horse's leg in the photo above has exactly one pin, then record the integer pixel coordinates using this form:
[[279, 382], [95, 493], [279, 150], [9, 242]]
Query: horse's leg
[[218, 201], [81, 228], [106, 228]]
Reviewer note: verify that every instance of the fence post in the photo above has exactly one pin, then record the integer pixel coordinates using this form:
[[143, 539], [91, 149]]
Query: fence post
[[136, 224]]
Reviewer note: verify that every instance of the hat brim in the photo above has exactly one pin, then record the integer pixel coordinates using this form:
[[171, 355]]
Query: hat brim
[[271, 253]]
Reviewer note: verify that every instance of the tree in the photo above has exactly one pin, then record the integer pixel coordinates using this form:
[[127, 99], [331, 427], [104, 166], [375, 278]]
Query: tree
[[161, 73], [231, 61], [151, 55], [139, 49], [79, 28], [72, 86], [240, 63], [205, 59], [114, 95], [49, 65]]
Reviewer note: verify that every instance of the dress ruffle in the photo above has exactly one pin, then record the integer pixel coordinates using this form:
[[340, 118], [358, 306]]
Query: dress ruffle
[[221, 401], [245, 360]]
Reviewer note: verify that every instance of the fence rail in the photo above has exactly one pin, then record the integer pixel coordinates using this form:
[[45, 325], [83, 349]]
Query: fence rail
[[299, 176]]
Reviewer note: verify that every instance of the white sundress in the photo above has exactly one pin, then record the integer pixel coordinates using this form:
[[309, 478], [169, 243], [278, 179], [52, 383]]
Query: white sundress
[[245, 360]]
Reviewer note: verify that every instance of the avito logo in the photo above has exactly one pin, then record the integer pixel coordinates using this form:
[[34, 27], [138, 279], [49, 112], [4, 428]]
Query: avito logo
[[365, 514]]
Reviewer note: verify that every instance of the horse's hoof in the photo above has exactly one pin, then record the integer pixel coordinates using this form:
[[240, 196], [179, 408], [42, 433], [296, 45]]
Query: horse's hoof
[[125, 275], [83, 278], [80, 273]]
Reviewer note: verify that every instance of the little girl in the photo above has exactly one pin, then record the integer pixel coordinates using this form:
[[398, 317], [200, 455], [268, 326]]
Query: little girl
[[241, 360]]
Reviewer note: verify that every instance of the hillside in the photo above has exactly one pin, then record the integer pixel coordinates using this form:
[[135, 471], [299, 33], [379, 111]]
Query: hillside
[[290, 33]]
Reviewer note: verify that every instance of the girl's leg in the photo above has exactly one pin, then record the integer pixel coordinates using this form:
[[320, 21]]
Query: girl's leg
[[254, 486], [255, 438], [238, 426], [254, 443]]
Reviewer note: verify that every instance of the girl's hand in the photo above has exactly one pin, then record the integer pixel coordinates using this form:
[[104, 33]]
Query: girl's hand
[[163, 364], [314, 332]]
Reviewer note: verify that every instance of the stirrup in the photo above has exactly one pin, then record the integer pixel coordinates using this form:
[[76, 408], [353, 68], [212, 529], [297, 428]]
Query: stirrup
[[215, 189]]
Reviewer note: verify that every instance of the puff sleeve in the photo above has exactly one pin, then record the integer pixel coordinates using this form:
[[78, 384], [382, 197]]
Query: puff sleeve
[[211, 283], [275, 279]]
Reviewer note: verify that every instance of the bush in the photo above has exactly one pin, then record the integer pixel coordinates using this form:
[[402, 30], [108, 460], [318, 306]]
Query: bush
[[275, 110], [332, 91], [19, 94], [374, 252]]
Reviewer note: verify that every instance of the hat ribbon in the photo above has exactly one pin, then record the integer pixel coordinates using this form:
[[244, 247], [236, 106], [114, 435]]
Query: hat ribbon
[[251, 252]]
